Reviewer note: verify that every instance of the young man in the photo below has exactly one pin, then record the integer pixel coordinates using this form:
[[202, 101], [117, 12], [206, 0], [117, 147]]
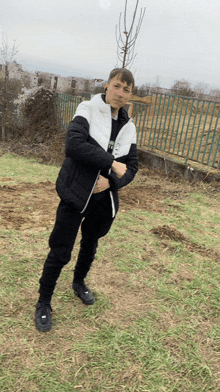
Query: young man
[[101, 157]]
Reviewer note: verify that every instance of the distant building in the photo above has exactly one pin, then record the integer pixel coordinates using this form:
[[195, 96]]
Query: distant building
[[53, 81]]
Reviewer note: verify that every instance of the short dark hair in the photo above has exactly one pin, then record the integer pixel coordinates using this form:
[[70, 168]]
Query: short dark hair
[[124, 75]]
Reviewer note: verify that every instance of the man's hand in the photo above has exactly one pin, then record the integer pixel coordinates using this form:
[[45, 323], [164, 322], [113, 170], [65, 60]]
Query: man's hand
[[119, 168], [101, 185]]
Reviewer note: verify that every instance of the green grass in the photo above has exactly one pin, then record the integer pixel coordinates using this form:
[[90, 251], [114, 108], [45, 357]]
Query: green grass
[[20, 169], [155, 324]]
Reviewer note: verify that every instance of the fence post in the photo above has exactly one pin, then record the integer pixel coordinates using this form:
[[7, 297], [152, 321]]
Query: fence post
[[130, 109]]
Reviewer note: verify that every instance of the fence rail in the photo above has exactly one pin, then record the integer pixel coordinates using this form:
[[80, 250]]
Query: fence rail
[[185, 127]]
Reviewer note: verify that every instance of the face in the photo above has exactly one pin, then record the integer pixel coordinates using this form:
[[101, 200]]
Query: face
[[118, 93]]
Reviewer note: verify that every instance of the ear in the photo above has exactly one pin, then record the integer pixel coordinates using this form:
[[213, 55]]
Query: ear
[[106, 86]]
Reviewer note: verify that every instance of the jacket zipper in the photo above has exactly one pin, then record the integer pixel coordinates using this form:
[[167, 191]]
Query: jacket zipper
[[93, 189], [91, 192], [111, 195], [110, 192]]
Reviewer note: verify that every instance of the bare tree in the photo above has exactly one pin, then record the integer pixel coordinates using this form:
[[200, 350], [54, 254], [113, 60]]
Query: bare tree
[[215, 95], [126, 37], [156, 85], [7, 54], [182, 87], [145, 89], [201, 89]]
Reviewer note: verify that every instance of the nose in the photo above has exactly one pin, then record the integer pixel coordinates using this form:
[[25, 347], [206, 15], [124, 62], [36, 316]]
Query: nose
[[120, 92]]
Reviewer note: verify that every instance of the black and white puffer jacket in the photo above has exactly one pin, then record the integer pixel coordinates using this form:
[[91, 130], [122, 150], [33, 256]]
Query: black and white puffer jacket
[[87, 142]]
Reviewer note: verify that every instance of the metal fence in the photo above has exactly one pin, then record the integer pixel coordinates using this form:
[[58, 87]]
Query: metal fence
[[185, 127], [66, 105], [180, 126]]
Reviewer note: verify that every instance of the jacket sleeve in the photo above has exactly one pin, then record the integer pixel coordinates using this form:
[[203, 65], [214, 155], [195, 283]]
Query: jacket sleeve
[[81, 147], [131, 161]]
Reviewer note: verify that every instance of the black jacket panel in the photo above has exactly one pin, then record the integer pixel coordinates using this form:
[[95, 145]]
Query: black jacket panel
[[81, 147], [75, 182], [131, 162]]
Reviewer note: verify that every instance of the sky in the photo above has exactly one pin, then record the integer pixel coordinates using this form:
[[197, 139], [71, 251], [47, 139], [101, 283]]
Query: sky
[[179, 39]]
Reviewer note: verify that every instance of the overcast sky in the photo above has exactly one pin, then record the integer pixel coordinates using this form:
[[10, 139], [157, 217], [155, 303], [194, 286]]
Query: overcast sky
[[179, 39]]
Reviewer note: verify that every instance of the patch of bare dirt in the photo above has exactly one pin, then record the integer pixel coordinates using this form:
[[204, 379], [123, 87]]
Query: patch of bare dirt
[[140, 196], [27, 206], [166, 232], [150, 191], [30, 206]]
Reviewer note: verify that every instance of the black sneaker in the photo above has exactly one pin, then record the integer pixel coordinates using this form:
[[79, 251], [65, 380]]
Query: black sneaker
[[83, 292], [43, 317]]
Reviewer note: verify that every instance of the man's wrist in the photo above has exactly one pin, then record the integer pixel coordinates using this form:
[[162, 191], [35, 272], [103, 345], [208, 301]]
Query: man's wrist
[[113, 165]]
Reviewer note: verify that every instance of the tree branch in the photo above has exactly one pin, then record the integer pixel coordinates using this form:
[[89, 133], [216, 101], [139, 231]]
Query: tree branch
[[126, 39]]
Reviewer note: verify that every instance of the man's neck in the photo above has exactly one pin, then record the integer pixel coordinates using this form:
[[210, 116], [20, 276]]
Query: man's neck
[[114, 112]]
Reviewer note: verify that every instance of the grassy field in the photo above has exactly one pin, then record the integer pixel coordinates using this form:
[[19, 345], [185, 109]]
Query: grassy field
[[155, 325]]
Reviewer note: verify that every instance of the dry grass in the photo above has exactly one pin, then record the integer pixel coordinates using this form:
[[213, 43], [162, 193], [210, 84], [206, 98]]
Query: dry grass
[[155, 323], [182, 127]]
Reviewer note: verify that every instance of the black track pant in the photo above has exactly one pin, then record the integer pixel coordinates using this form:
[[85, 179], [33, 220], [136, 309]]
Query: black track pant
[[96, 222]]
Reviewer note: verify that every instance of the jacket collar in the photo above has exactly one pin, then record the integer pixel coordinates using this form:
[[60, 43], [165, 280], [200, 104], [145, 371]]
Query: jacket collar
[[99, 100]]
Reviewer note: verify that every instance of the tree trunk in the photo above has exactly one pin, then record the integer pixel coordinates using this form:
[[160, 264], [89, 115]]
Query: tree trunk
[[3, 132], [5, 104]]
